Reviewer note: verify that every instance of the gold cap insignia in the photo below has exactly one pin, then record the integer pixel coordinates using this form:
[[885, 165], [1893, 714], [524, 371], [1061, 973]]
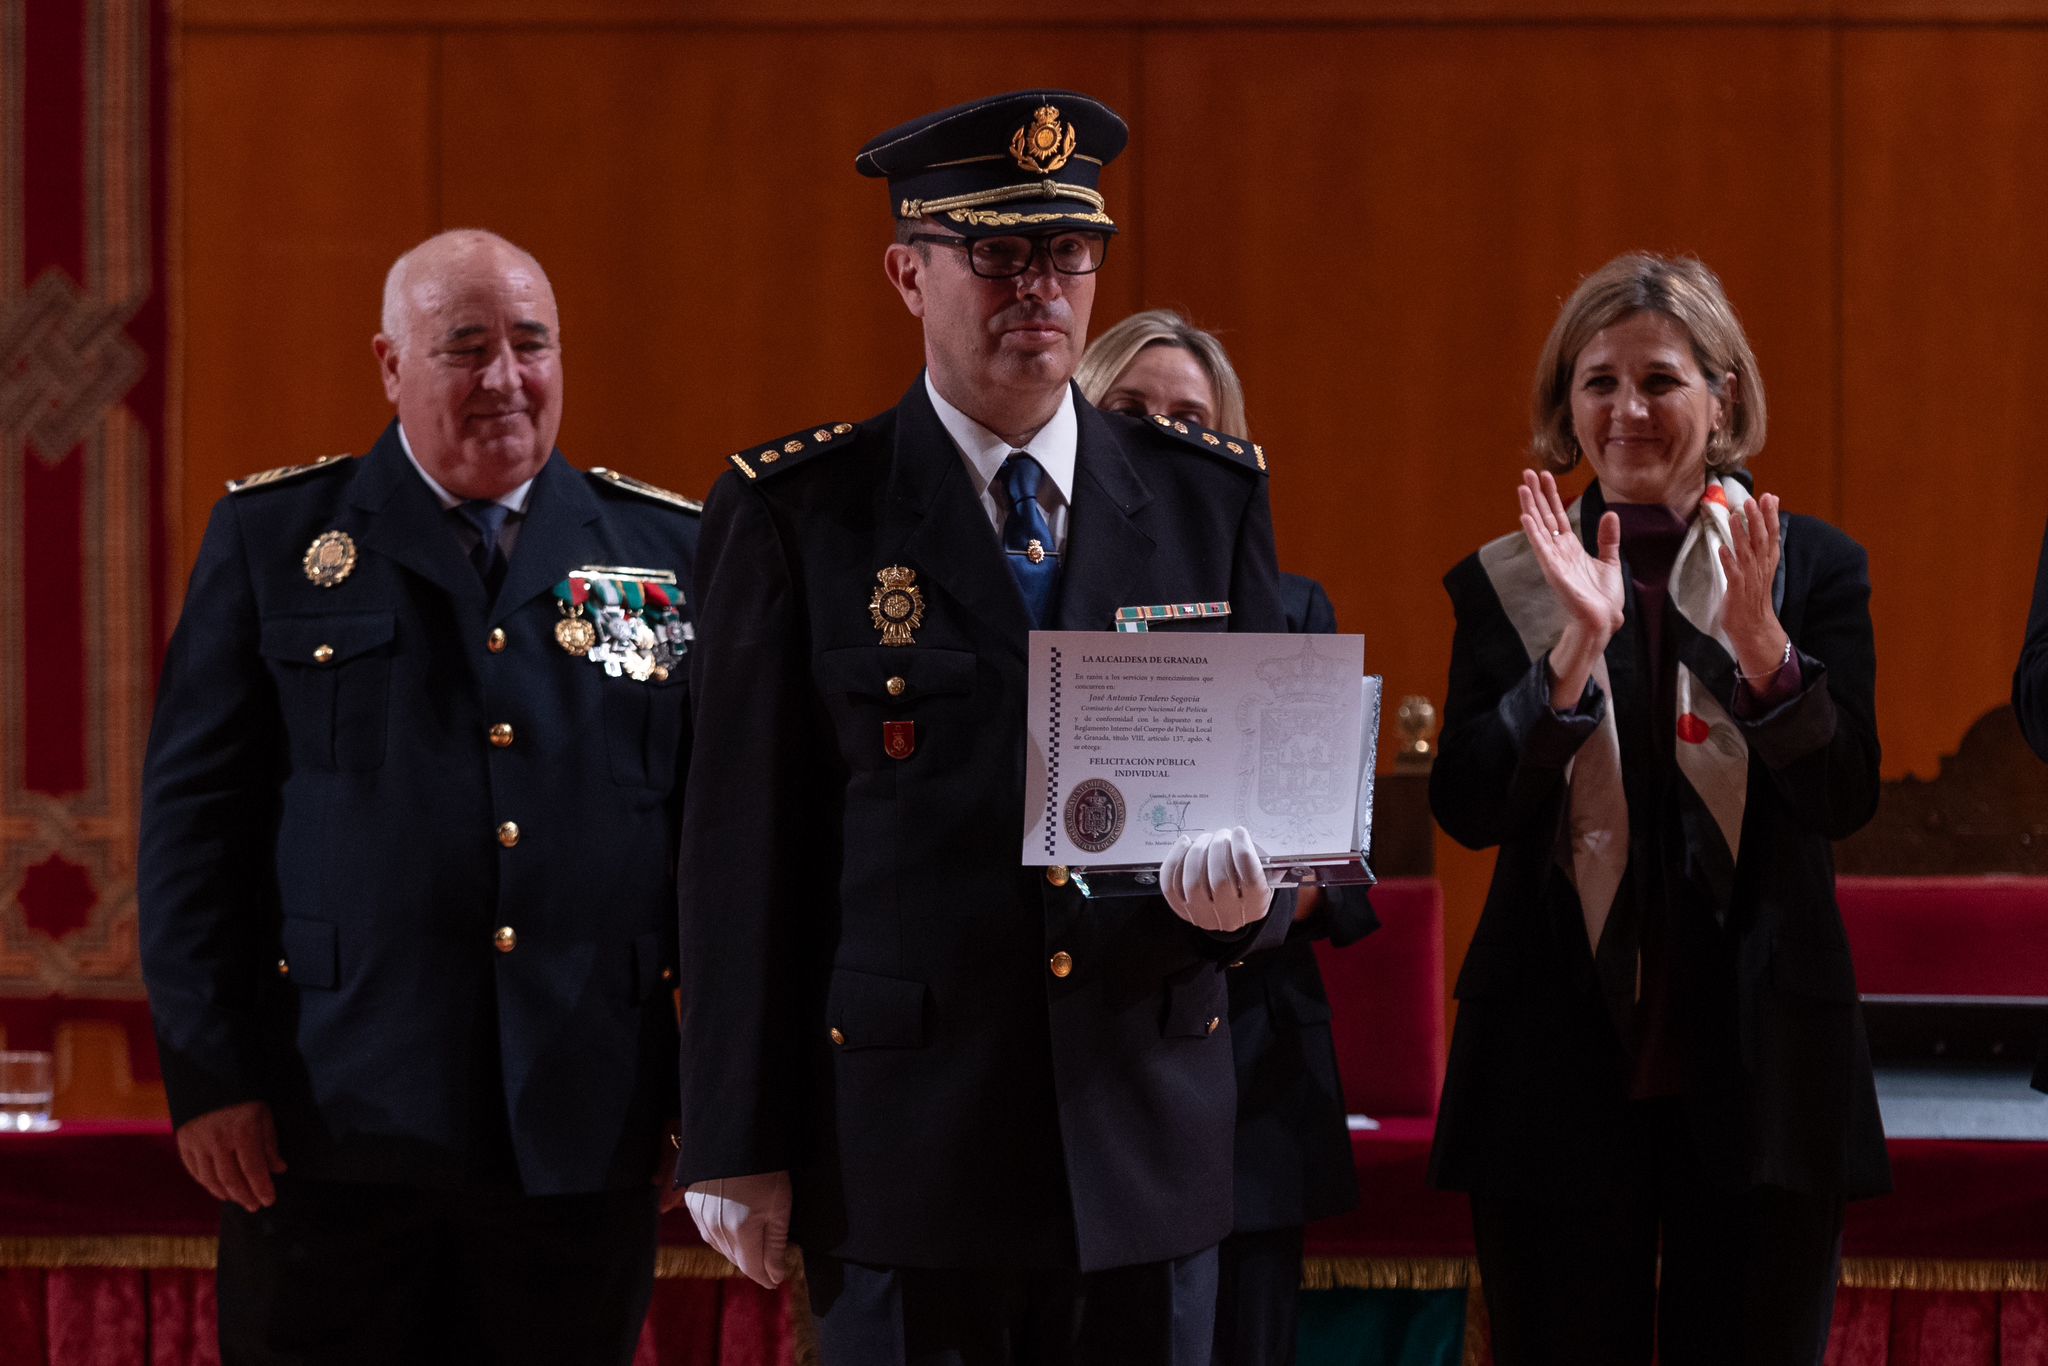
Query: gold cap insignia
[[1043, 145], [331, 558], [897, 605]]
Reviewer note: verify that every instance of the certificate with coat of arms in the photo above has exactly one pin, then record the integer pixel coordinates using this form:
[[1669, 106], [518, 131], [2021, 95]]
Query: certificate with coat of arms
[[1133, 740]]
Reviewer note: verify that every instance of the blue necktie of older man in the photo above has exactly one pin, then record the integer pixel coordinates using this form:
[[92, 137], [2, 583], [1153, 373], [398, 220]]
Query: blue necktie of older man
[[1027, 536], [489, 519]]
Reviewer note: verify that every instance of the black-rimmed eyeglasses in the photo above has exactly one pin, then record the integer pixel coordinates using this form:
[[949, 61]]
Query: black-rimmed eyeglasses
[[1005, 258]]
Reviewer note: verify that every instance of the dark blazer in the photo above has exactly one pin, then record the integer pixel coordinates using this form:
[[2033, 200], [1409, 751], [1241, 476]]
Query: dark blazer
[[867, 994], [322, 873], [1537, 1083], [2030, 703], [1293, 1162]]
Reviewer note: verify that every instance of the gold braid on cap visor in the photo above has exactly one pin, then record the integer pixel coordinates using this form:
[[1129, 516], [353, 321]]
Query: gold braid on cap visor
[[968, 208]]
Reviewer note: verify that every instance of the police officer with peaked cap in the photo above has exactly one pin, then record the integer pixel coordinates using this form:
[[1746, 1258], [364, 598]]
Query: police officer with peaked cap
[[407, 899], [995, 1116]]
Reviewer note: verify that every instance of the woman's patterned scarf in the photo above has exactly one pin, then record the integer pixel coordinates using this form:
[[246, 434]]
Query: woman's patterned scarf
[[1712, 754]]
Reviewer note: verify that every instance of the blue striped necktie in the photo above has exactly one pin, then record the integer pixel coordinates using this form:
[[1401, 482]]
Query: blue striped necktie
[[1027, 536]]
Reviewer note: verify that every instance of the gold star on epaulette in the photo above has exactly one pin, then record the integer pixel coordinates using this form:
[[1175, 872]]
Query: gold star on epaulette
[[266, 477], [756, 461], [645, 489], [1194, 434]]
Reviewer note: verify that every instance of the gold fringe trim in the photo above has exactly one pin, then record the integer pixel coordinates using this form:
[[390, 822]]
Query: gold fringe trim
[[1388, 1273], [1927, 1273], [199, 1254], [144, 1252], [1478, 1331], [691, 1264], [1860, 1273], [154, 1252], [803, 1329]]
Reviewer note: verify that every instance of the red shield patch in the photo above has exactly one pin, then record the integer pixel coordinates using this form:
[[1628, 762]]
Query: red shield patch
[[899, 739]]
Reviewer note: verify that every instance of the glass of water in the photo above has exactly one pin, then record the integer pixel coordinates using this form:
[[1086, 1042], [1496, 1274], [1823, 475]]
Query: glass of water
[[27, 1085]]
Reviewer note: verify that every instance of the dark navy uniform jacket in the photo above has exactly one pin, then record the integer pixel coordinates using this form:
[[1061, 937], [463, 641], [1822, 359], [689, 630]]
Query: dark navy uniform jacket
[[870, 996], [1293, 1162], [328, 847]]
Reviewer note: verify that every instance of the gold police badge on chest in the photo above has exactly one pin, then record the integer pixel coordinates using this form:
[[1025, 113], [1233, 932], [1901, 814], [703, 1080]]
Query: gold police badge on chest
[[331, 558], [897, 605]]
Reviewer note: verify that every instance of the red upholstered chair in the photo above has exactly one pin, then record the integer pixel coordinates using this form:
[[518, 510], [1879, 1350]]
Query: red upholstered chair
[[1387, 1003], [1945, 936]]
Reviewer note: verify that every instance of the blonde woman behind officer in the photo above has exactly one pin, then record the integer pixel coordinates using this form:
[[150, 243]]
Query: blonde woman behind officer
[[1293, 1153]]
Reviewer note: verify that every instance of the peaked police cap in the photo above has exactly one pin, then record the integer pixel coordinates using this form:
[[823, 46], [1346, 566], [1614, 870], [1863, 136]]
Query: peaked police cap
[[1027, 162]]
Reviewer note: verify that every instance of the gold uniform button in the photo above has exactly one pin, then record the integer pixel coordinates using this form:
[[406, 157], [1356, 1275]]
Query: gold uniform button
[[508, 834], [1214, 1021], [323, 654], [1057, 875], [495, 641], [1062, 964], [896, 685], [668, 974], [507, 939], [284, 969], [501, 735], [837, 1037], [1238, 964]]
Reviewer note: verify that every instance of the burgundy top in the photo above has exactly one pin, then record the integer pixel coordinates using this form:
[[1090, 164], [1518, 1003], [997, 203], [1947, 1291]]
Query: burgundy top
[[1675, 959]]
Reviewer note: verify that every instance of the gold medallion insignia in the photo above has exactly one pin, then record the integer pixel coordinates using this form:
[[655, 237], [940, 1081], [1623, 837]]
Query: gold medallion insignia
[[576, 635], [1042, 145], [1035, 552], [897, 605], [331, 558]]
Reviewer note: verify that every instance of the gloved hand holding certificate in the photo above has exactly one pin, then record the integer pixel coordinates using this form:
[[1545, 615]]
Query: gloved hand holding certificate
[[1136, 739]]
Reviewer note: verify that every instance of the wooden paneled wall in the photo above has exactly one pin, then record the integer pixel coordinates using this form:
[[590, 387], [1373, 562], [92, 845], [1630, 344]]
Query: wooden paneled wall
[[1378, 205]]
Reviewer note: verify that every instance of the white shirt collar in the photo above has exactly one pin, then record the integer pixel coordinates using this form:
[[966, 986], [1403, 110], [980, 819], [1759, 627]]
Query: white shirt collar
[[1053, 446], [515, 501]]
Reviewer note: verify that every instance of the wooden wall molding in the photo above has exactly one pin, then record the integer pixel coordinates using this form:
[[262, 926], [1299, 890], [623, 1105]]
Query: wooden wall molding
[[437, 15]]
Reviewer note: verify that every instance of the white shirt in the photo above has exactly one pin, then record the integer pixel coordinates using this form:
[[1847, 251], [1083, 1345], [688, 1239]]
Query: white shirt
[[1053, 448], [513, 502]]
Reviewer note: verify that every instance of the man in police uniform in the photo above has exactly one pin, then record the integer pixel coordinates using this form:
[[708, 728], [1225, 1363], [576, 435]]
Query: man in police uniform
[[406, 887], [997, 1117]]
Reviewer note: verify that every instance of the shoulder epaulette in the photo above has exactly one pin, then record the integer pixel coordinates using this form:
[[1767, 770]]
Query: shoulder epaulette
[[758, 461], [645, 489], [1217, 443], [266, 477]]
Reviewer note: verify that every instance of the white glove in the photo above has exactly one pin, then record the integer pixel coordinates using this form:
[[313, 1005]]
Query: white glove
[[745, 1218], [1215, 881]]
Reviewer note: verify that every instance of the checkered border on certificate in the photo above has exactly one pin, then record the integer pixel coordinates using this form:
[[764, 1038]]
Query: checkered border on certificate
[[1052, 761]]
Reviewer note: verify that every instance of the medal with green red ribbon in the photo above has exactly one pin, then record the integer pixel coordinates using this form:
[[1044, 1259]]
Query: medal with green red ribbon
[[627, 620], [574, 632]]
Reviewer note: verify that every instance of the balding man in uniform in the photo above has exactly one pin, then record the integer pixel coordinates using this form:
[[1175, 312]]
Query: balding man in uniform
[[996, 1115], [407, 900]]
